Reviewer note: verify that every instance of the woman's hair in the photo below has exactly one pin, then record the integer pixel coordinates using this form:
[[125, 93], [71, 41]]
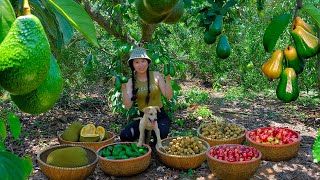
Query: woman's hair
[[134, 90]]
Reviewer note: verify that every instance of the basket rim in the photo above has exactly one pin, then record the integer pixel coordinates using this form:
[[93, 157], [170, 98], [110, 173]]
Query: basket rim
[[271, 145], [235, 162], [123, 160], [229, 139], [98, 142], [183, 156], [67, 168]]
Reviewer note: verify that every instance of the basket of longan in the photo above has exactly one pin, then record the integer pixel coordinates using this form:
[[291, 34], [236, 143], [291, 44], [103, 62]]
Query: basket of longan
[[222, 133], [183, 152]]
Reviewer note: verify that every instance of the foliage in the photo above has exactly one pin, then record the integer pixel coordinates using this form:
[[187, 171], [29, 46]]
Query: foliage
[[203, 112], [196, 96], [316, 149], [17, 167]]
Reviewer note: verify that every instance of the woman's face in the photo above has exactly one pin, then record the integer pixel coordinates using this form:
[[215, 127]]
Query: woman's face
[[140, 65]]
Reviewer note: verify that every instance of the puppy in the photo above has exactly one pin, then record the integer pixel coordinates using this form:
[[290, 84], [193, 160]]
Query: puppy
[[149, 122]]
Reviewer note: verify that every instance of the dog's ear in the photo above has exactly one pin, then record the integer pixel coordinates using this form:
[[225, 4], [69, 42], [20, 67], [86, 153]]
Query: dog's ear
[[157, 108], [144, 110]]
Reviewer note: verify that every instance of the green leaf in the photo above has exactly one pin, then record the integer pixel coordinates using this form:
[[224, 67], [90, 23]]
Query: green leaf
[[313, 12], [27, 165], [7, 17], [15, 126], [77, 17], [274, 30], [3, 131], [316, 149], [11, 166], [2, 147], [65, 28]]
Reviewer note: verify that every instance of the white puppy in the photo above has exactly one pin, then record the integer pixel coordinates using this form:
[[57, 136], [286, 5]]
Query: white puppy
[[149, 122]]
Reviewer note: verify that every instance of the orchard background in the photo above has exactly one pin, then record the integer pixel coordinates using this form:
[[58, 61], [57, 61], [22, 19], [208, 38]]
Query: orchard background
[[204, 86]]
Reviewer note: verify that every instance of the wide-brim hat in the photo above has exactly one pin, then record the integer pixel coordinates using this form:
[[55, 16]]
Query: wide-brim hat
[[139, 53]]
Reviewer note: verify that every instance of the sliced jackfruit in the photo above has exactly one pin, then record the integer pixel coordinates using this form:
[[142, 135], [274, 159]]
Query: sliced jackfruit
[[102, 133], [88, 134]]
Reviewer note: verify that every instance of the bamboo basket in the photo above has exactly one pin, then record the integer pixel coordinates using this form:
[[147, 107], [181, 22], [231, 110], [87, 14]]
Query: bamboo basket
[[61, 173], [93, 145], [233, 170], [179, 161], [276, 152], [126, 167], [214, 142]]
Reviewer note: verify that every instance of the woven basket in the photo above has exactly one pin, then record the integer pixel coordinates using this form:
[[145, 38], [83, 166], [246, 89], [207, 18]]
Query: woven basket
[[214, 142], [61, 173], [179, 161], [233, 170], [276, 152], [126, 167], [93, 145]]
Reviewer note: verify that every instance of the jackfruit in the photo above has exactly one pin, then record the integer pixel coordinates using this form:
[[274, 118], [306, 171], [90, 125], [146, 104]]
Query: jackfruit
[[72, 132], [102, 133], [146, 15], [88, 134], [69, 157], [24, 56], [45, 96]]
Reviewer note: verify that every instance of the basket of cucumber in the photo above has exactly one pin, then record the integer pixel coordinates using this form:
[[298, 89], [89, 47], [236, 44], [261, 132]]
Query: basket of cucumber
[[124, 158]]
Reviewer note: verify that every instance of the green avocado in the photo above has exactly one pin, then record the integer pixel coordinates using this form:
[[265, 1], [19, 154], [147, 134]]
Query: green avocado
[[24, 56], [175, 14], [160, 7], [223, 48], [146, 15], [215, 28], [45, 96], [288, 89]]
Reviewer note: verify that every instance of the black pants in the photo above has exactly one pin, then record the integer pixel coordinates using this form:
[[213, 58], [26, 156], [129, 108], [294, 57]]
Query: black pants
[[131, 131]]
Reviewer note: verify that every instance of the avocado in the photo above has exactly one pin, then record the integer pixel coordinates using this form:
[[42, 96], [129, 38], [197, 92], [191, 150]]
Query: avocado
[[175, 14], [223, 48], [160, 6], [24, 56], [146, 15], [45, 96]]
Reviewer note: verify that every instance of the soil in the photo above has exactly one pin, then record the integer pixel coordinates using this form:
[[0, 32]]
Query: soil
[[40, 132]]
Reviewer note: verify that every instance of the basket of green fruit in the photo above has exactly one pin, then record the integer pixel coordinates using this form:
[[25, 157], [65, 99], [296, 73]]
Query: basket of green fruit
[[89, 135], [67, 161], [222, 133], [124, 158], [183, 152], [275, 143]]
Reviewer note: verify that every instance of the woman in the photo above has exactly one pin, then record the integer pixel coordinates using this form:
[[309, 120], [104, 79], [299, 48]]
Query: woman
[[145, 88]]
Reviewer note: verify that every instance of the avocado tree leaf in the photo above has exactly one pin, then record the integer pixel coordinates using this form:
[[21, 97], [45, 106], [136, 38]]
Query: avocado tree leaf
[[77, 17], [316, 149], [3, 131], [15, 125], [274, 30], [7, 17], [226, 7], [65, 28], [11, 166], [313, 12]]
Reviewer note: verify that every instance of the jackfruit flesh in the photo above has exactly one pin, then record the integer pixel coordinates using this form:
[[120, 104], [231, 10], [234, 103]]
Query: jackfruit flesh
[[69, 157]]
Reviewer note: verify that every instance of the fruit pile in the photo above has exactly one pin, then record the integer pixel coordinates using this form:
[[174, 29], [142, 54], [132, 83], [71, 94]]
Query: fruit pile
[[234, 153], [123, 151], [273, 135], [157, 11], [76, 132], [222, 130], [28, 71], [186, 145], [287, 63]]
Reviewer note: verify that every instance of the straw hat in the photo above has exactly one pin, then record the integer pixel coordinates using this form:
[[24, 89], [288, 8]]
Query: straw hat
[[139, 52]]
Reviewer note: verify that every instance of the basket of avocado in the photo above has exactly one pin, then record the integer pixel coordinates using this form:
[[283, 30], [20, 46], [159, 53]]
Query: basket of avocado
[[124, 158], [67, 161], [89, 135]]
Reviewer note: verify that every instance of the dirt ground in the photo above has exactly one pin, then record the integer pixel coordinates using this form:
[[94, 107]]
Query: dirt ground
[[39, 133]]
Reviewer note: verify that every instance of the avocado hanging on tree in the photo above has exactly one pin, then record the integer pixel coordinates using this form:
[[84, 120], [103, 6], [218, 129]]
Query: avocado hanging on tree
[[273, 67], [223, 49], [24, 55], [293, 60]]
